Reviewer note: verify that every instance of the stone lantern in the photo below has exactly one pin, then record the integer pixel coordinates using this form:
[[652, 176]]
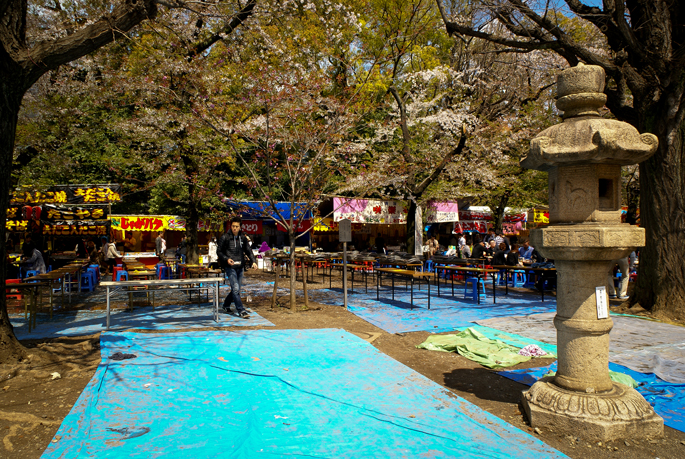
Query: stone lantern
[[583, 156]]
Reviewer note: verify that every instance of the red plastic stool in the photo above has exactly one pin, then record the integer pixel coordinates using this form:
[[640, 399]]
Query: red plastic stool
[[8, 291]]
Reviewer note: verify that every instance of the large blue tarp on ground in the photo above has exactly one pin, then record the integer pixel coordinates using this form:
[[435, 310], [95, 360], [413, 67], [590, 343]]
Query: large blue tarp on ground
[[277, 393], [447, 312], [668, 399]]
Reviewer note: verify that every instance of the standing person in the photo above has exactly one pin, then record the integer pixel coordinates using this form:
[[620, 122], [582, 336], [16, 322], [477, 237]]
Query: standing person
[[623, 267], [111, 254], [213, 257], [182, 249], [461, 242], [232, 247], [160, 245], [129, 242]]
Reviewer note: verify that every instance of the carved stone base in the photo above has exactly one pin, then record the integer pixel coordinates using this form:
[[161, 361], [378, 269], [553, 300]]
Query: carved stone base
[[617, 414]]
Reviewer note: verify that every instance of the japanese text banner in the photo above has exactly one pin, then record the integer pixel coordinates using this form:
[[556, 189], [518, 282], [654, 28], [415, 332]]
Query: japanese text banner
[[369, 211]]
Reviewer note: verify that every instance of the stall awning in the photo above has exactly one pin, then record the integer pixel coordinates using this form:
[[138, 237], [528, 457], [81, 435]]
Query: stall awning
[[390, 212], [261, 210]]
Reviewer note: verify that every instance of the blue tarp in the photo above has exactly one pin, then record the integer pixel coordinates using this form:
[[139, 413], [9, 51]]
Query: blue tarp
[[668, 399], [447, 312], [262, 210], [277, 393]]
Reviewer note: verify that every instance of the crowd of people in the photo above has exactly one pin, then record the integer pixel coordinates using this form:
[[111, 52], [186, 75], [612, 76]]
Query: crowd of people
[[494, 246]]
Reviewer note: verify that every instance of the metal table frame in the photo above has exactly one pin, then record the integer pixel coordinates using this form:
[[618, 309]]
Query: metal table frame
[[211, 283]]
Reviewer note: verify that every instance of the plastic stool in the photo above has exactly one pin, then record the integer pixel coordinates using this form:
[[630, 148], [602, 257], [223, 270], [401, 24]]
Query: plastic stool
[[474, 281], [88, 281], [31, 273], [164, 272], [502, 277], [120, 274], [96, 270], [518, 279], [96, 275], [8, 291]]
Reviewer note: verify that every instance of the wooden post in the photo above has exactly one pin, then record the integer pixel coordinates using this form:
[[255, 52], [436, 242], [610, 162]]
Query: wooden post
[[304, 283], [273, 297]]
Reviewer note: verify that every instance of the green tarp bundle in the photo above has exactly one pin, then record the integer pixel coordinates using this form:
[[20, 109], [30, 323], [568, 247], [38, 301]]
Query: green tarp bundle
[[473, 345]]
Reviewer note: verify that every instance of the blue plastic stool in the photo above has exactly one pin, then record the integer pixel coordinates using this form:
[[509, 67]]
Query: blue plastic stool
[[165, 272], [502, 274], [88, 281], [31, 273], [429, 266], [121, 274], [474, 290], [518, 279], [96, 270]]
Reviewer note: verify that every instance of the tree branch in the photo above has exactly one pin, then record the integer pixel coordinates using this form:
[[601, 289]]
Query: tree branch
[[48, 55], [418, 191], [228, 28]]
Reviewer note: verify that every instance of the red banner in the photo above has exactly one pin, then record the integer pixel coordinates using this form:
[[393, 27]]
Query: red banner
[[472, 225], [250, 226]]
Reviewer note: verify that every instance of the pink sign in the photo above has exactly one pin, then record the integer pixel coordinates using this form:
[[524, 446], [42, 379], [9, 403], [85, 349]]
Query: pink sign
[[439, 212], [369, 211]]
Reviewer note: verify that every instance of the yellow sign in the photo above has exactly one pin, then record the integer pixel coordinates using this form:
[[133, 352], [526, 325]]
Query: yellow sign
[[541, 216]]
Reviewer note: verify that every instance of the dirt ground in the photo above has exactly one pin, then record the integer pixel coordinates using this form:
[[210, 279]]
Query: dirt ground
[[37, 394]]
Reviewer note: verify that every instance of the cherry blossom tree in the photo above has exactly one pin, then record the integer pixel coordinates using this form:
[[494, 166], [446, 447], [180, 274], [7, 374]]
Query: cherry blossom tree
[[289, 116], [38, 40], [640, 45]]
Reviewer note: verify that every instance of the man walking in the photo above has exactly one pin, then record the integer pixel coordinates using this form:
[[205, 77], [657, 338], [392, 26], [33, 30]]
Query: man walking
[[231, 248]]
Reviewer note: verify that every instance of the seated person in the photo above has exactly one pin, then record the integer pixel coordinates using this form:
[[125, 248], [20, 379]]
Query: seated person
[[513, 256], [478, 250], [33, 260], [499, 257], [491, 249], [526, 251]]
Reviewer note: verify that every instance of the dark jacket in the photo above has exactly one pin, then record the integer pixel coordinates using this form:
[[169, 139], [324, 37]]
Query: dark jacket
[[499, 258], [478, 251], [235, 248], [513, 258]]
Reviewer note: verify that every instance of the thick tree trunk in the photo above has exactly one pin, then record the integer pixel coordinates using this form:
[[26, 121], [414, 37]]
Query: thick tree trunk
[[661, 276], [10, 349], [193, 218], [411, 226]]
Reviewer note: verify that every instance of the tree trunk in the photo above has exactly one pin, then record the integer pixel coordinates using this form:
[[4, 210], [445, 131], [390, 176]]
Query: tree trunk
[[293, 268], [498, 211], [411, 226], [10, 348], [193, 218], [661, 279]]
